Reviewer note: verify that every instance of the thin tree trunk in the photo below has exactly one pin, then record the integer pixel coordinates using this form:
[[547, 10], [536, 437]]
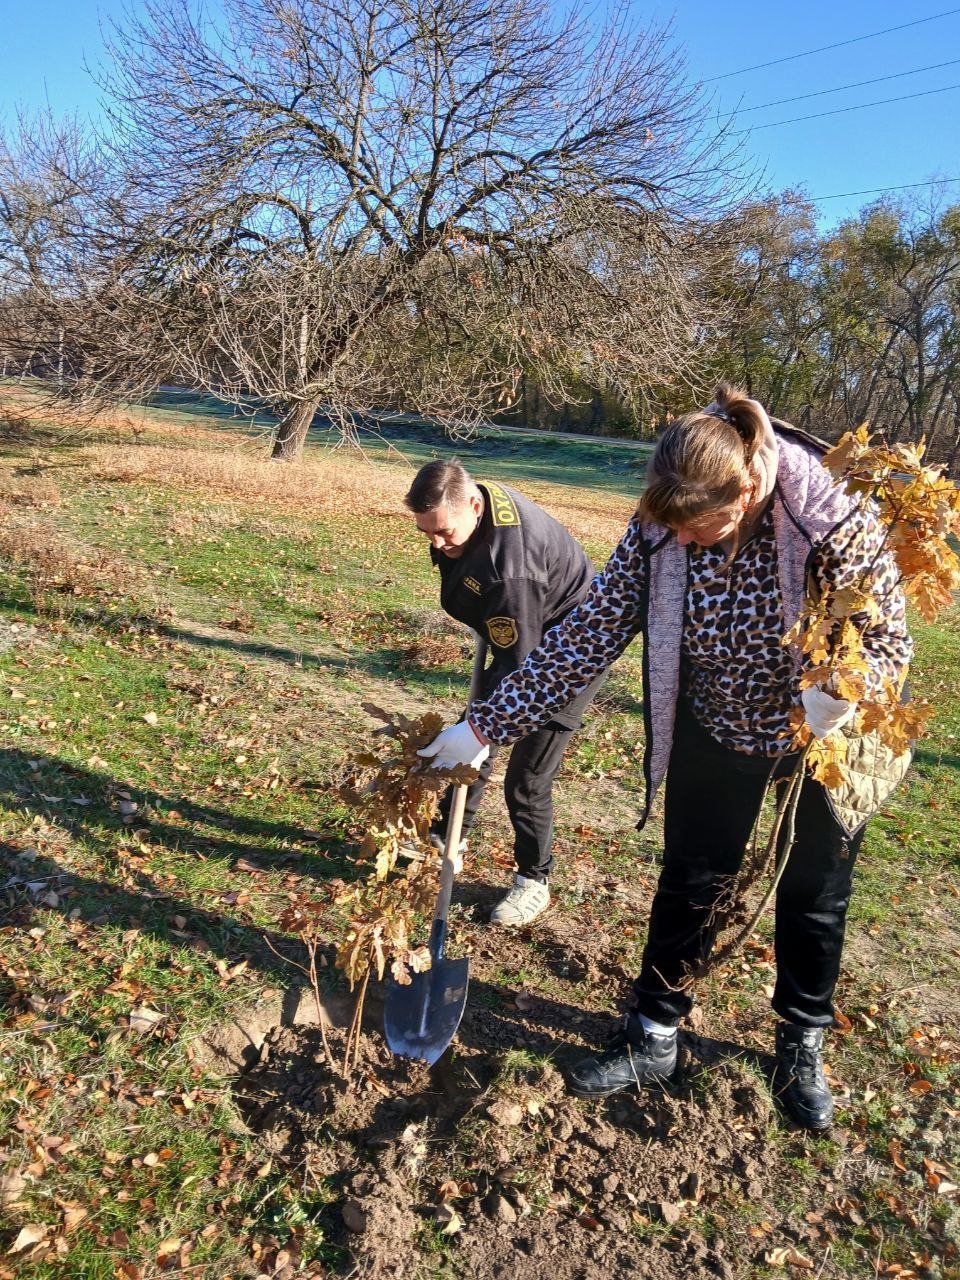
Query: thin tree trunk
[[292, 430]]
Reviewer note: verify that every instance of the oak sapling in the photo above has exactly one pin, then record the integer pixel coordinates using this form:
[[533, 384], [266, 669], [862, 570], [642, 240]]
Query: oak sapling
[[395, 795]]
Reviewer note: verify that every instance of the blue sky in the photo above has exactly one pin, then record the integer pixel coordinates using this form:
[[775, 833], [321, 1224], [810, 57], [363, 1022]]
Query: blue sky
[[46, 43]]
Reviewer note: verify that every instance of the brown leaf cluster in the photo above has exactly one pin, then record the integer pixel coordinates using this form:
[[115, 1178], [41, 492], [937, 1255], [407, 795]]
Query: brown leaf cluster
[[920, 510], [396, 796], [919, 506]]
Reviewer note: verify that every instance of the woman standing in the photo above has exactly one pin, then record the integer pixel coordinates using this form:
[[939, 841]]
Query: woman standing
[[739, 521]]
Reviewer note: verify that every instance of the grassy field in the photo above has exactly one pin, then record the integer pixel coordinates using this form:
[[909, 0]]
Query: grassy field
[[187, 636]]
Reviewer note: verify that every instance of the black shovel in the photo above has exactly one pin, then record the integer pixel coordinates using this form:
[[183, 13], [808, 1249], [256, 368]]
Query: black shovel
[[421, 1018]]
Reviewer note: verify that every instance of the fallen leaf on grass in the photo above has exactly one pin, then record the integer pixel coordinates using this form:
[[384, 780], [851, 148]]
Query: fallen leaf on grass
[[32, 1233], [72, 1218], [11, 1187], [151, 718], [787, 1258], [143, 1019], [894, 1149], [450, 1219]]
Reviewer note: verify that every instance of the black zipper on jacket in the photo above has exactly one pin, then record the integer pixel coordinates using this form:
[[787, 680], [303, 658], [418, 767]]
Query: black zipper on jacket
[[647, 553]]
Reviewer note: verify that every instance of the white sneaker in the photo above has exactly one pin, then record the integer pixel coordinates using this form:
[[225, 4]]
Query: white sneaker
[[438, 843], [415, 853], [525, 900]]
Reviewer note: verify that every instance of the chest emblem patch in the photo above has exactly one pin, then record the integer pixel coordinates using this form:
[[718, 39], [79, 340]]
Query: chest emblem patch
[[502, 632], [473, 585]]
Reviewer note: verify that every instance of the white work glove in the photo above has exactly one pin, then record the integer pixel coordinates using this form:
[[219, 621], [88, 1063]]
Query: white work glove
[[824, 712], [457, 745]]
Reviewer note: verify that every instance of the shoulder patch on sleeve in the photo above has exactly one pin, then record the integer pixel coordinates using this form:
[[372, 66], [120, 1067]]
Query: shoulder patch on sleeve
[[473, 585], [503, 509], [502, 632]]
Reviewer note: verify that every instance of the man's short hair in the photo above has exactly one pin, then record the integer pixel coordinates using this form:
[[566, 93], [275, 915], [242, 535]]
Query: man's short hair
[[441, 483]]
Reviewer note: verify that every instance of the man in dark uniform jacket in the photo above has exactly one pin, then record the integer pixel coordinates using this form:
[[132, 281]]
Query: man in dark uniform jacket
[[510, 572]]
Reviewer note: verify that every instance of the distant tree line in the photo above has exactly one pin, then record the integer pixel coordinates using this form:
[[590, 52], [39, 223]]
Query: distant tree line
[[829, 330], [467, 210]]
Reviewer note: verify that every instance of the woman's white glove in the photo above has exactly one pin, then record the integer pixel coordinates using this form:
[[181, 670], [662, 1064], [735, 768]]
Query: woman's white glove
[[458, 745], [824, 712]]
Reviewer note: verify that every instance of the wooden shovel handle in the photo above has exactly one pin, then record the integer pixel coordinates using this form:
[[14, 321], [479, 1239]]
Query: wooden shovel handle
[[455, 821]]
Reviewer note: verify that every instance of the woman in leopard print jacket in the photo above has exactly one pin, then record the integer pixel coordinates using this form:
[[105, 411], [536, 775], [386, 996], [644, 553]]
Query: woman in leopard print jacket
[[738, 519]]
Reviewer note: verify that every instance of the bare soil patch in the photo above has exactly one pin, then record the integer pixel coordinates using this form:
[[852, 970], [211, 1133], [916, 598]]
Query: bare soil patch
[[486, 1166]]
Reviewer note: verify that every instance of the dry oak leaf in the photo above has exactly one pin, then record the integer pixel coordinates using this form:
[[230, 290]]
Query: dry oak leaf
[[143, 1018], [787, 1258], [72, 1217], [11, 1187], [449, 1218], [32, 1233]]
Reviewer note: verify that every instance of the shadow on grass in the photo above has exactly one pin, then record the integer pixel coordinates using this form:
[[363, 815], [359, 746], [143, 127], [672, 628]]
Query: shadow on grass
[[94, 806], [224, 640], [382, 661], [146, 907], [935, 759]]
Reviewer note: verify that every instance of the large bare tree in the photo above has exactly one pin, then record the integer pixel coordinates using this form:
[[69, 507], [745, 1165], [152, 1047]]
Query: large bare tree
[[351, 203], [70, 308]]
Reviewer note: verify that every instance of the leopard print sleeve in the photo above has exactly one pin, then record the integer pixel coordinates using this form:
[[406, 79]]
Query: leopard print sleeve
[[586, 642], [854, 556]]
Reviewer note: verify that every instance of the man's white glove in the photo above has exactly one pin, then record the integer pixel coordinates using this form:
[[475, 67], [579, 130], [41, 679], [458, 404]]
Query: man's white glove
[[824, 712], [457, 745]]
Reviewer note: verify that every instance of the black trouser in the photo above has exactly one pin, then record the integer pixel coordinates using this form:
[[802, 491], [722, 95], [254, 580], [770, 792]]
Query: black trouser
[[528, 789], [712, 799]]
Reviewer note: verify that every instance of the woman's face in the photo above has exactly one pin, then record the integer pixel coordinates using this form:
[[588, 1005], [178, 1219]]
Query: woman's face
[[708, 530]]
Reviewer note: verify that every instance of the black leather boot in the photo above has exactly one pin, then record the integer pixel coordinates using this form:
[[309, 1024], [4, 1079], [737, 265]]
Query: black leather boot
[[634, 1057], [798, 1076]]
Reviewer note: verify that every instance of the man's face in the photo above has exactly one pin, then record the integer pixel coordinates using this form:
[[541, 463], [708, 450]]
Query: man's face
[[451, 528]]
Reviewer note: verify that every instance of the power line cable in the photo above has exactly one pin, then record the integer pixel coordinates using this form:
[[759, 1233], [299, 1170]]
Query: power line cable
[[839, 111], [856, 84], [876, 191], [840, 44]]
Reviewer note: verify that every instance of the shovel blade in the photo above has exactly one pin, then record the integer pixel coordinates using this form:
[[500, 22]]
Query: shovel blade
[[421, 1019]]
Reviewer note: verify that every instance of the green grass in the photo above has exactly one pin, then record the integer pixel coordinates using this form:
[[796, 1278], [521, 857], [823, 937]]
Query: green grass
[[611, 465], [169, 759]]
